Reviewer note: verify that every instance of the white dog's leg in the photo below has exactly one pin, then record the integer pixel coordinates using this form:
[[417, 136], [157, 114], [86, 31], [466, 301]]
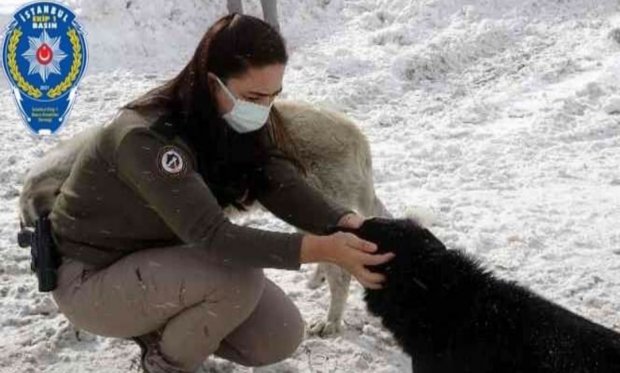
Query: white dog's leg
[[317, 278], [338, 280]]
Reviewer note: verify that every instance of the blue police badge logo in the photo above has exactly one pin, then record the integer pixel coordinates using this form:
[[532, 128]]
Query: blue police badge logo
[[44, 57]]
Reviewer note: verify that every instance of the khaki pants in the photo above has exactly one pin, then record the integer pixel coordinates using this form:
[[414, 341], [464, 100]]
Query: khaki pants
[[201, 307]]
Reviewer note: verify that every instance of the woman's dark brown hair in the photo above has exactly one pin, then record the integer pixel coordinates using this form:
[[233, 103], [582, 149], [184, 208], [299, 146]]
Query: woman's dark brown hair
[[228, 161]]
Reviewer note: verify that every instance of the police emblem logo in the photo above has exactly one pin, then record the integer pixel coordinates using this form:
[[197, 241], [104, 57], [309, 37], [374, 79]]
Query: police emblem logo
[[171, 161], [44, 56]]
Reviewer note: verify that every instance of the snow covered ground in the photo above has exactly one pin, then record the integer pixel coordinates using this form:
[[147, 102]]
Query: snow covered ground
[[499, 119]]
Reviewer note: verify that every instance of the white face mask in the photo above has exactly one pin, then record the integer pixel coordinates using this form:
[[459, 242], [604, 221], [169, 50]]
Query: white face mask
[[245, 116]]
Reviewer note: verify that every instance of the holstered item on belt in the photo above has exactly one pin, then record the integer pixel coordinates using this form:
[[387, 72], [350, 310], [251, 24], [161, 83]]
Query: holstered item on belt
[[44, 255]]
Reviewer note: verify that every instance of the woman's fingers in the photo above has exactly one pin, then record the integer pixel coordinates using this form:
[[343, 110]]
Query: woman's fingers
[[357, 259], [370, 279], [377, 259], [373, 277], [371, 285], [362, 245]]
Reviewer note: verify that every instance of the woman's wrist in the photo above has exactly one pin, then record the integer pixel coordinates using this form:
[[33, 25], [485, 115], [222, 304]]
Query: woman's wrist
[[316, 249]]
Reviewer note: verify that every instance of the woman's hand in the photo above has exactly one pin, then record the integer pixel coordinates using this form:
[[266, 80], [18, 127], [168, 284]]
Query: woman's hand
[[351, 220], [349, 252]]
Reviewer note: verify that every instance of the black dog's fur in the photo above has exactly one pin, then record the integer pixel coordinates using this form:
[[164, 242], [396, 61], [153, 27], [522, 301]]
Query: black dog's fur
[[452, 316]]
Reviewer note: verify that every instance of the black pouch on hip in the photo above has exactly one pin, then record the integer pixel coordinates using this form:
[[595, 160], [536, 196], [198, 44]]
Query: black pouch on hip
[[44, 255]]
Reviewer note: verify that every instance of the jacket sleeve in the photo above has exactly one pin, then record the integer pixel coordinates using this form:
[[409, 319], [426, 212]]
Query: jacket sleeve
[[163, 174], [287, 195]]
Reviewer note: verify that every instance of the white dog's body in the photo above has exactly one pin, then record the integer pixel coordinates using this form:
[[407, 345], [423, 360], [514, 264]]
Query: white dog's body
[[336, 153]]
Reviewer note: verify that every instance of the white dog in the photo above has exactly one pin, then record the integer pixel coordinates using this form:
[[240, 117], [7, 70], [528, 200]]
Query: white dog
[[336, 153]]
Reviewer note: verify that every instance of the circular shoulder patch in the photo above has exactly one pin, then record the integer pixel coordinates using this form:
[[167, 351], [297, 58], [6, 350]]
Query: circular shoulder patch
[[171, 161]]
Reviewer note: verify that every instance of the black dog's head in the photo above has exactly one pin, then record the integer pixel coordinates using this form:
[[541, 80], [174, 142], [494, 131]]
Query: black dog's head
[[404, 237]]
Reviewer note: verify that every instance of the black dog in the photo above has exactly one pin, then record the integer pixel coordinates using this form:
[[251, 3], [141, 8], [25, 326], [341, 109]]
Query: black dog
[[452, 316]]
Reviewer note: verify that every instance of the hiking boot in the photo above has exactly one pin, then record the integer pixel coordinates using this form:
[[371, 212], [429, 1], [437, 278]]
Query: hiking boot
[[155, 362], [146, 341], [151, 358]]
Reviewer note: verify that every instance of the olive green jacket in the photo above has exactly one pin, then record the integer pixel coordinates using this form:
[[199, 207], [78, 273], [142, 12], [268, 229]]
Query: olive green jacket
[[133, 189]]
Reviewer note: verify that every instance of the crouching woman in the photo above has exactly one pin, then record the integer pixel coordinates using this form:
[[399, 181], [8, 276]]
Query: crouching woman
[[148, 252]]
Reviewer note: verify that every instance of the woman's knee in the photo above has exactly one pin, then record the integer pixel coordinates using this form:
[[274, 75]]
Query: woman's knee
[[272, 333], [279, 348], [288, 342], [244, 286], [284, 346], [210, 280]]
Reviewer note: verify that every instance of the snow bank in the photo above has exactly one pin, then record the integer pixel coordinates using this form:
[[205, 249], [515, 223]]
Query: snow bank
[[161, 34]]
